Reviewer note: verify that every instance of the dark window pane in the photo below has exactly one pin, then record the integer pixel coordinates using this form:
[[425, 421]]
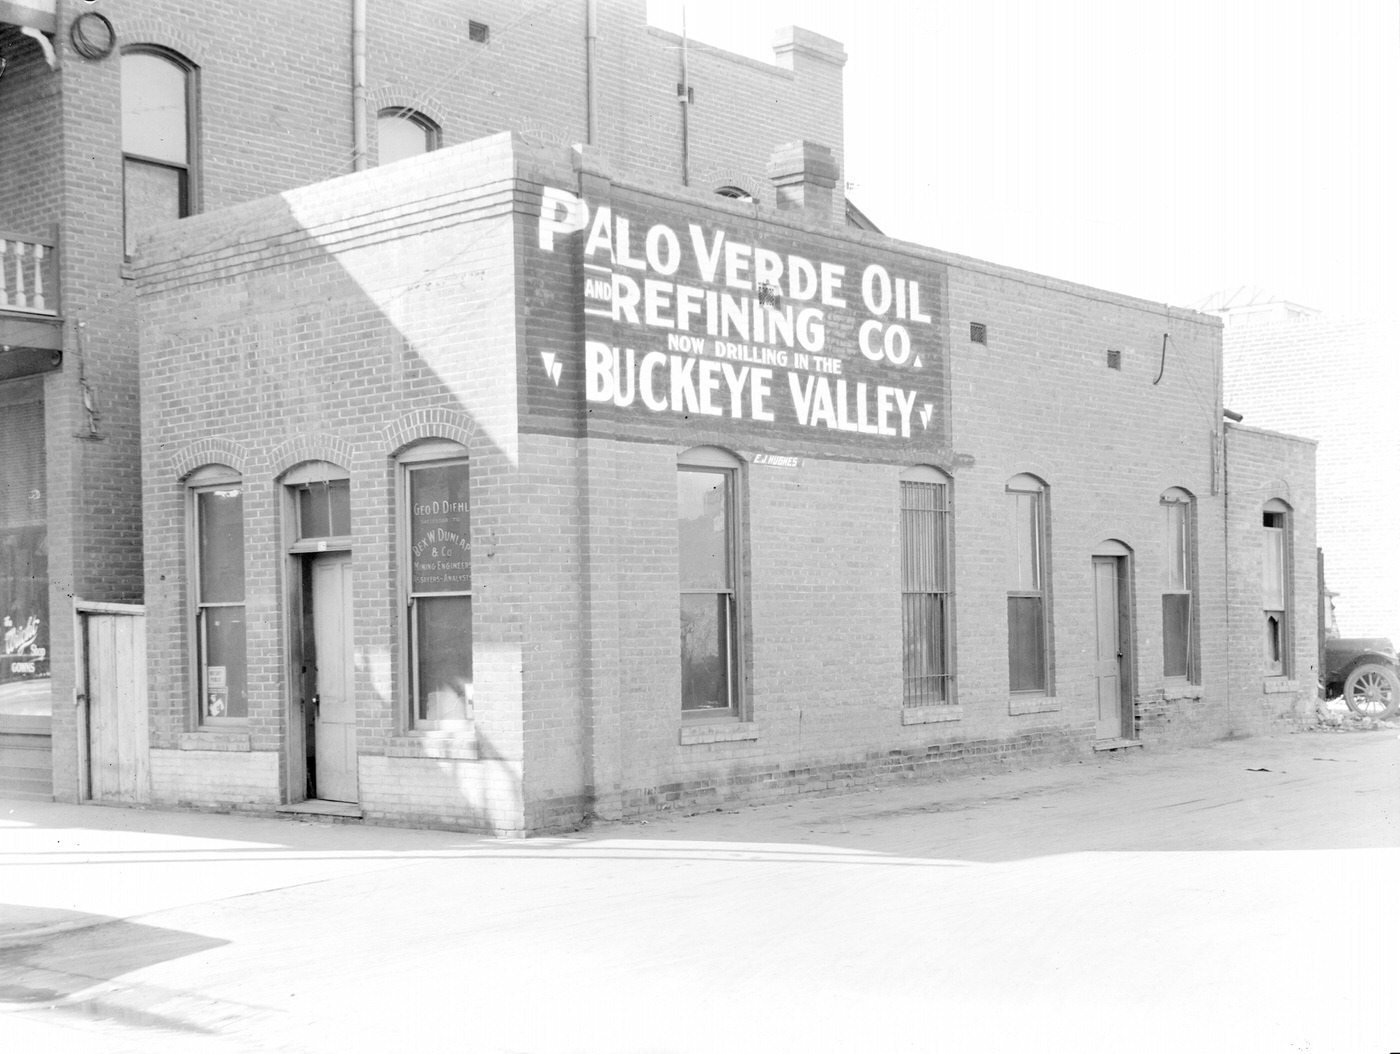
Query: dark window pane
[[1176, 634], [706, 629], [325, 509], [155, 195], [223, 671], [704, 528], [1274, 641], [440, 529], [154, 120], [220, 515], [925, 648], [1026, 637], [444, 658]]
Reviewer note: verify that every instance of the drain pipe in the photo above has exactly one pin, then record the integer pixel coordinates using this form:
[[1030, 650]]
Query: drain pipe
[[357, 92], [590, 65]]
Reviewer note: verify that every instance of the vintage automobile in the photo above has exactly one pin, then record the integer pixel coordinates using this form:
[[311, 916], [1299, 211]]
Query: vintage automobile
[[1365, 671]]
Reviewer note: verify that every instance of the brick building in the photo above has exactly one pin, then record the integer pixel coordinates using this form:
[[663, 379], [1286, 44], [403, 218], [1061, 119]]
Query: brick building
[[514, 481]]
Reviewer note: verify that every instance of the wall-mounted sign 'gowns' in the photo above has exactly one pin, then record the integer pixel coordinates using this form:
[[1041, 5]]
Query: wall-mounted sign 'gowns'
[[24, 560], [767, 329]]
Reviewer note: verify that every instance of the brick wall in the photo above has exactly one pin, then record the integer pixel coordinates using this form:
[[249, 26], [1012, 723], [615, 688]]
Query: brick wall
[[345, 333]]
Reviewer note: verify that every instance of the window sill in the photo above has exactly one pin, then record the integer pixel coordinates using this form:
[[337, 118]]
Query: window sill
[[1182, 691], [448, 746], [930, 715], [1279, 685], [1033, 704], [731, 731], [233, 742]]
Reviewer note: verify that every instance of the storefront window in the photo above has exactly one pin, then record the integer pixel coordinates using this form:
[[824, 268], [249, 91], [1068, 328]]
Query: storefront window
[[24, 557], [440, 594]]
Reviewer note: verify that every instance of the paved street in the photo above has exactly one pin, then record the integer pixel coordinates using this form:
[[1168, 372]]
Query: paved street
[[1239, 897]]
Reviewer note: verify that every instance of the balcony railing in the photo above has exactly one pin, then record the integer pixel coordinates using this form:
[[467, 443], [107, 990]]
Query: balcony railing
[[28, 275]]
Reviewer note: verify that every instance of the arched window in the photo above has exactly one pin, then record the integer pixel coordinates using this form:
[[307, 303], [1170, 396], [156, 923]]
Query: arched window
[[1179, 618], [925, 514], [158, 106], [1277, 588], [217, 585], [736, 193], [405, 133], [707, 492], [436, 584], [1027, 587]]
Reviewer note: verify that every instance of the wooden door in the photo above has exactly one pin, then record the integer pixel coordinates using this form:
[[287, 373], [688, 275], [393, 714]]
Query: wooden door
[[118, 737], [337, 761], [1109, 662]]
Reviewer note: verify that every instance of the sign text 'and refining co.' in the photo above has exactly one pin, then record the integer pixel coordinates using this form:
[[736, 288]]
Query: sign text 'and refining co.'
[[750, 333]]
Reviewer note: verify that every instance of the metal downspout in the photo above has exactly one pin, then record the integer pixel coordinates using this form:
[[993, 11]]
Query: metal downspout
[[357, 96], [590, 65]]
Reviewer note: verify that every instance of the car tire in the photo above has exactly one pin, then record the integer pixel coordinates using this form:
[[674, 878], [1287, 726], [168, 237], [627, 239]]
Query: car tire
[[1372, 690]]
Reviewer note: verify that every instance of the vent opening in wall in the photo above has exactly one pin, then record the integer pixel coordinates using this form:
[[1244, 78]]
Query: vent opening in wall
[[479, 32], [1115, 359], [978, 334]]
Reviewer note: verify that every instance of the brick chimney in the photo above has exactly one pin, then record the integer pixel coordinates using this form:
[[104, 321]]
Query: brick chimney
[[805, 176]]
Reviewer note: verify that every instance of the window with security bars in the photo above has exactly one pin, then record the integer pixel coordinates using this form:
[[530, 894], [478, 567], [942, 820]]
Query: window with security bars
[[927, 596]]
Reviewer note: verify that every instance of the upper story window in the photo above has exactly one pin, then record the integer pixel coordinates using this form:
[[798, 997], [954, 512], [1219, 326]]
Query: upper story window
[[736, 193], [405, 133], [158, 90], [1027, 610], [1278, 559], [1179, 586], [926, 585]]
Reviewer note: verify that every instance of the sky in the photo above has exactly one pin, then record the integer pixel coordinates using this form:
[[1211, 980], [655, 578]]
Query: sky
[[1169, 152]]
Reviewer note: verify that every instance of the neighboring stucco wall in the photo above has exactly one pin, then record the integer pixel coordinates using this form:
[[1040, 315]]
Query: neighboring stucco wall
[[1334, 380]]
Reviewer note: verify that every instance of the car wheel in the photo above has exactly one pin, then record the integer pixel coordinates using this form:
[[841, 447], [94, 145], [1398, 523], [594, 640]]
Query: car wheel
[[1372, 690]]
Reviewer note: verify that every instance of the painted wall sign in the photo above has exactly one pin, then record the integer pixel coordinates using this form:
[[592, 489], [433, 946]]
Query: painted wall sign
[[440, 529], [778, 460], [749, 322]]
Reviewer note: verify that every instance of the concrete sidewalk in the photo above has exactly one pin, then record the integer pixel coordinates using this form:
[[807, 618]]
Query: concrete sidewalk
[[49, 850], [1240, 896]]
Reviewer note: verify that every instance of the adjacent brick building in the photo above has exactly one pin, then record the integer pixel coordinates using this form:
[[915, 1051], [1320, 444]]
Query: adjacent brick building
[[519, 482]]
